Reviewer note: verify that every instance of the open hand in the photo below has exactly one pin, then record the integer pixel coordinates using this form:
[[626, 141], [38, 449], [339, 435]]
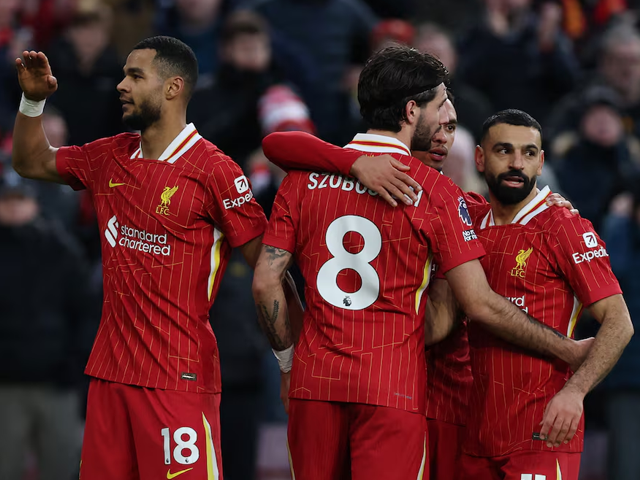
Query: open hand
[[560, 201], [562, 417], [385, 175], [35, 77]]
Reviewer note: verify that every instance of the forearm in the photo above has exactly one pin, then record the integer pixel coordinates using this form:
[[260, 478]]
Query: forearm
[[30, 147], [612, 338], [508, 322], [273, 315], [303, 151], [442, 313]]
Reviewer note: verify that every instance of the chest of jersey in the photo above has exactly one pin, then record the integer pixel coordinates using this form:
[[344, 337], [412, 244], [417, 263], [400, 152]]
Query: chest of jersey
[[518, 264], [150, 195]]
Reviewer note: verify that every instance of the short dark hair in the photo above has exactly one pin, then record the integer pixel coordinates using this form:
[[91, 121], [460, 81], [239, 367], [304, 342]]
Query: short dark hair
[[392, 77], [173, 58], [242, 22], [511, 116]]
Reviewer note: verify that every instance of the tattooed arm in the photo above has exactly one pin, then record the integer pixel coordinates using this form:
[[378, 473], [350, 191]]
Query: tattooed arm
[[269, 295]]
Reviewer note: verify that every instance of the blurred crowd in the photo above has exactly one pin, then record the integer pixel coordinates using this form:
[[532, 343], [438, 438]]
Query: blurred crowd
[[274, 65]]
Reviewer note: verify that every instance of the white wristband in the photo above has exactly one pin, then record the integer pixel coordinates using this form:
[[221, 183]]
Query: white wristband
[[31, 108], [285, 359]]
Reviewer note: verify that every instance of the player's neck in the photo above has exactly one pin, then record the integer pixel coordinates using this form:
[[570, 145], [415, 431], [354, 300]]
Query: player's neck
[[403, 135], [504, 214], [157, 137]]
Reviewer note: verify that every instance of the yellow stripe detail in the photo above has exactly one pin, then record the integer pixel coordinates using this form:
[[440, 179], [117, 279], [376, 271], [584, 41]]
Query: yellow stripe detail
[[215, 261], [293, 474], [212, 463], [425, 281], [558, 472], [424, 459], [575, 314]]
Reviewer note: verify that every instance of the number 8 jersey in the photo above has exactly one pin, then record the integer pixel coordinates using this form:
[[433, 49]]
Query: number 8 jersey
[[366, 267]]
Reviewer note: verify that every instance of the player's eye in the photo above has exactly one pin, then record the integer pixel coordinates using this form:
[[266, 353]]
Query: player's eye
[[451, 128]]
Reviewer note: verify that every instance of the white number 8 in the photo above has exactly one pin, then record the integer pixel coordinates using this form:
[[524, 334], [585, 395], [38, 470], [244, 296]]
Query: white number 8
[[327, 281]]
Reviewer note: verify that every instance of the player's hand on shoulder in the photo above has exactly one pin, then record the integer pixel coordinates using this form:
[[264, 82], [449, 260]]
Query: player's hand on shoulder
[[35, 76], [386, 176], [559, 201], [562, 417]]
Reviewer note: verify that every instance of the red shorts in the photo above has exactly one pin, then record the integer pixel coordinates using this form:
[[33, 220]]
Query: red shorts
[[135, 433], [444, 449], [522, 466], [340, 441]]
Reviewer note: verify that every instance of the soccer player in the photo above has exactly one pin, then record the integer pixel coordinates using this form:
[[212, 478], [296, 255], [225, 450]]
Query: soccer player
[[358, 380], [170, 206], [524, 409]]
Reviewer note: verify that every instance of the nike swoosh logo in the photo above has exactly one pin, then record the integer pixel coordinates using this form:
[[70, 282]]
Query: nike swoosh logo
[[174, 475], [111, 184]]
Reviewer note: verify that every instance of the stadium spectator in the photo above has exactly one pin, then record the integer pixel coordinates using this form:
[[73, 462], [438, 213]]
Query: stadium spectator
[[599, 153], [618, 68], [198, 24], [535, 61], [471, 104], [46, 330], [249, 98], [621, 232], [88, 70], [334, 34]]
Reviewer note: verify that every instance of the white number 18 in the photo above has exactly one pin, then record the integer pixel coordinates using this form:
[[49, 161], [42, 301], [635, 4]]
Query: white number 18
[[181, 445]]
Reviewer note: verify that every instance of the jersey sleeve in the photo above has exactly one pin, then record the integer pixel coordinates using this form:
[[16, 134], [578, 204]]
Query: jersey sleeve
[[78, 165], [583, 260], [303, 151], [232, 205], [283, 224], [449, 228]]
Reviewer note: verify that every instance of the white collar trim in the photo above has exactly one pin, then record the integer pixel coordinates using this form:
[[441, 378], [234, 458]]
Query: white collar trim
[[186, 139]]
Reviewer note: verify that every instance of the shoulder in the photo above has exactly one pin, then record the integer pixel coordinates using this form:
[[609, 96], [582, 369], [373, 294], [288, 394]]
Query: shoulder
[[559, 223]]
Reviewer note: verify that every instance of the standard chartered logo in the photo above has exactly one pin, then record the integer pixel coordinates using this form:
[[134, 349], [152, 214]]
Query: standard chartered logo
[[135, 239]]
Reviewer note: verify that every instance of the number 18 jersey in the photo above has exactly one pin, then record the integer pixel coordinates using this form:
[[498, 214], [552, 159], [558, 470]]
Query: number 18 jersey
[[366, 267]]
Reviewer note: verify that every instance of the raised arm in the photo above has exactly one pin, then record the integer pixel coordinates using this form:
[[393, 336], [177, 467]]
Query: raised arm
[[615, 333], [497, 314], [302, 151], [32, 155]]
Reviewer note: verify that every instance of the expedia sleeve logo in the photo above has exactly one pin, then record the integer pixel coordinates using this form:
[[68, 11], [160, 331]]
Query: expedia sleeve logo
[[590, 241], [242, 187], [463, 212]]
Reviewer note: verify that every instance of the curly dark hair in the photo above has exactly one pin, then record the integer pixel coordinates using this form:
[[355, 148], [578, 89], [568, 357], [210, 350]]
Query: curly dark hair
[[392, 77]]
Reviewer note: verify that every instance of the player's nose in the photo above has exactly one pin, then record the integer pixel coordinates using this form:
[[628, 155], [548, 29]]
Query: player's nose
[[122, 86]]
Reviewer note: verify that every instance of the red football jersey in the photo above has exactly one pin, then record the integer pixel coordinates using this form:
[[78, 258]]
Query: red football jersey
[[167, 229], [449, 376], [549, 263], [367, 266]]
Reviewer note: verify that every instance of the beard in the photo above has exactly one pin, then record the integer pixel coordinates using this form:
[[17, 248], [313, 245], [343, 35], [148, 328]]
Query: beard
[[509, 195], [421, 139], [144, 116]]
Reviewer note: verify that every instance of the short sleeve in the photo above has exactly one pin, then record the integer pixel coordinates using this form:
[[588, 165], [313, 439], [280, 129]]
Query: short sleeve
[[281, 232], [232, 205], [583, 260], [452, 238], [78, 165]]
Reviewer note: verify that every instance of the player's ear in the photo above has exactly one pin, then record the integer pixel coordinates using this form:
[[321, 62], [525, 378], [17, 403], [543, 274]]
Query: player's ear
[[479, 158], [539, 172], [173, 87], [411, 112]]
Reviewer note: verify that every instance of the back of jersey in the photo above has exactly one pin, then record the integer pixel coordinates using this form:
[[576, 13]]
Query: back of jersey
[[366, 267]]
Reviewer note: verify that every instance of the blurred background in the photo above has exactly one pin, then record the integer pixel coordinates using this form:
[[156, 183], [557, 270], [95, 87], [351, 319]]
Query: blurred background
[[273, 65]]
